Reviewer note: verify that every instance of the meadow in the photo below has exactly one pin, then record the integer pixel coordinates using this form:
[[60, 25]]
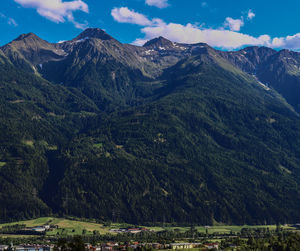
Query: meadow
[[80, 227]]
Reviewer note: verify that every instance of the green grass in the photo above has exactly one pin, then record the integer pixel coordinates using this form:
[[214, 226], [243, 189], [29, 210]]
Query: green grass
[[16, 236], [47, 146], [2, 163], [76, 227], [219, 229], [98, 145], [71, 227], [28, 143], [65, 226], [52, 148]]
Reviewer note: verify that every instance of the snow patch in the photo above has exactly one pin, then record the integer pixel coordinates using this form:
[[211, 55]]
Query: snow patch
[[181, 48], [265, 86], [148, 52], [81, 40]]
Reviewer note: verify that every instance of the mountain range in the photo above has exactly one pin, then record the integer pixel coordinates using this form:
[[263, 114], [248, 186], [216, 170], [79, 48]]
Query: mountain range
[[166, 131]]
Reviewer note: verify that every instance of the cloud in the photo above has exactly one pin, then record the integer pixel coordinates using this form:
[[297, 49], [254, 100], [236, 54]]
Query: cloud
[[223, 38], [250, 15], [289, 42], [190, 33], [12, 22], [57, 10], [9, 20], [234, 24], [219, 38], [125, 15], [158, 3]]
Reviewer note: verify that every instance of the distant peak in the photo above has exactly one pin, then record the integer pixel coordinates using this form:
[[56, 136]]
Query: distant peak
[[257, 48], [27, 35], [159, 41], [93, 33]]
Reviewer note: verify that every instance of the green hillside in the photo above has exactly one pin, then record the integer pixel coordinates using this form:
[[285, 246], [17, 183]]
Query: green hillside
[[36, 118], [143, 135], [181, 158]]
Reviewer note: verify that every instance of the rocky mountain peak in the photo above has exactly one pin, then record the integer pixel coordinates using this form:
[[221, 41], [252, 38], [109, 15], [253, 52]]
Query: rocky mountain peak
[[93, 33], [28, 40], [27, 36], [32, 50], [159, 42]]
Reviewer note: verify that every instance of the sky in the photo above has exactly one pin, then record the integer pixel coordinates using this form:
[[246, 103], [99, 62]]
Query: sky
[[227, 25]]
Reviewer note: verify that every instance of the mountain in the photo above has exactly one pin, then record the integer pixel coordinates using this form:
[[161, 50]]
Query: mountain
[[36, 116], [279, 70], [28, 52], [163, 132], [94, 33]]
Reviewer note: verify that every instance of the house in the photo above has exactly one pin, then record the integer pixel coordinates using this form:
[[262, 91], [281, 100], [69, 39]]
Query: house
[[109, 246], [134, 230], [212, 245], [33, 248], [39, 229], [181, 245]]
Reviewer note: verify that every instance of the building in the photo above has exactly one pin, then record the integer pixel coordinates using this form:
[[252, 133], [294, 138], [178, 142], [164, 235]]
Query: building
[[212, 245], [182, 245], [39, 229]]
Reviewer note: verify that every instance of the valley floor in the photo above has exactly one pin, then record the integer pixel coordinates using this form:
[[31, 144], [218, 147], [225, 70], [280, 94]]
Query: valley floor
[[48, 233]]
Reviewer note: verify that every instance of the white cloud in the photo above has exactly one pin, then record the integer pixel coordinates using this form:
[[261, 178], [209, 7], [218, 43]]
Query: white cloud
[[234, 24], [125, 15], [12, 22], [289, 42], [190, 33], [193, 33], [250, 15], [219, 38], [140, 41], [57, 10], [158, 3], [9, 20]]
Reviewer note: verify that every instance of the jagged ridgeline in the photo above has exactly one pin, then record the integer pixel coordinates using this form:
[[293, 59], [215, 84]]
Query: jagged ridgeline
[[167, 131]]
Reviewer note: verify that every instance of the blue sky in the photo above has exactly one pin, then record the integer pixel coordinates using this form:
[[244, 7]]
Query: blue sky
[[229, 24]]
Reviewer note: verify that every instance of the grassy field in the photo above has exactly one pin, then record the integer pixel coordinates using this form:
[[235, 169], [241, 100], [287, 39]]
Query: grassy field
[[220, 229], [17, 236], [65, 226], [77, 227]]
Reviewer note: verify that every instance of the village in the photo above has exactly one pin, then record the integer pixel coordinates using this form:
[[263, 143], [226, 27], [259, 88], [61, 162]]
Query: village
[[50, 233], [116, 246]]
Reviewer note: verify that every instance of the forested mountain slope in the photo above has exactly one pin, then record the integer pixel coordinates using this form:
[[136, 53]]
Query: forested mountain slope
[[164, 132]]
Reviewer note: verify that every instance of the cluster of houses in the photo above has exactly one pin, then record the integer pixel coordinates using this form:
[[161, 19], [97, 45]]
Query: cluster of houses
[[134, 245], [110, 246], [27, 248], [134, 230]]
